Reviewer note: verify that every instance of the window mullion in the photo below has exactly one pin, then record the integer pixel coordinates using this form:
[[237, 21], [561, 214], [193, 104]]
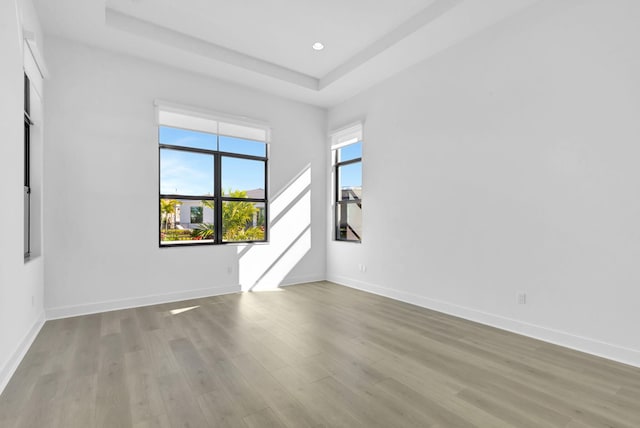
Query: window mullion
[[217, 186], [266, 197], [348, 162], [336, 201]]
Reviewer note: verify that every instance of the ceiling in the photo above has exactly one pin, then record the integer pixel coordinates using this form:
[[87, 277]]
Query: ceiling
[[266, 44]]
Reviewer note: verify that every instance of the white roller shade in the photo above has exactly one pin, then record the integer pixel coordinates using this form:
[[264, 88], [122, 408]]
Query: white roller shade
[[242, 131], [194, 123], [345, 136], [170, 114], [32, 69]]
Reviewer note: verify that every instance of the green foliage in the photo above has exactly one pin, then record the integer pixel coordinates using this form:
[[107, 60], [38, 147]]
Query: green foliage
[[176, 235], [203, 231], [237, 219], [249, 234]]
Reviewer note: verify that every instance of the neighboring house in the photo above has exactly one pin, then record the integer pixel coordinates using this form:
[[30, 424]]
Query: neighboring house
[[259, 216], [351, 193], [255, 193], [353, 228], [191, 213]]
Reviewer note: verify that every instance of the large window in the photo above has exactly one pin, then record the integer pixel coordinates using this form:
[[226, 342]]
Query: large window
[[27, 166], [213, 179], [347, 178]]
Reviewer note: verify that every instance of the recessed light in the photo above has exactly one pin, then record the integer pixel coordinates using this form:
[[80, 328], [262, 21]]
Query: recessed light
[[318, 46]]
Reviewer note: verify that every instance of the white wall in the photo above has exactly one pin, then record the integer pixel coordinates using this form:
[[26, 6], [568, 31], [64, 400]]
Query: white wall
[[510, 164], [102, 162], [21, 283]]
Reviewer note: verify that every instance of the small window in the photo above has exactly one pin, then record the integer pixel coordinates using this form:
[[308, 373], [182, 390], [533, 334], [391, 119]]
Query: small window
[[213, 180], [196, 214], [347, 177]]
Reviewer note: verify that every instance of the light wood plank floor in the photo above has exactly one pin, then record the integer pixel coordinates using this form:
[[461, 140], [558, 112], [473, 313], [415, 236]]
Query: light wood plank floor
[[313, 355]]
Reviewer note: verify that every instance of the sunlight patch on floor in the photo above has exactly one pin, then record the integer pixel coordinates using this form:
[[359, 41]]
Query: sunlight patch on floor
[[181, 310]]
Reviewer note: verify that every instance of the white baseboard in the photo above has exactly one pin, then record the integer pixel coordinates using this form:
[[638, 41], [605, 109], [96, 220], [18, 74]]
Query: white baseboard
[[113, 305], [12, 364], [302, 279], [557, 337]]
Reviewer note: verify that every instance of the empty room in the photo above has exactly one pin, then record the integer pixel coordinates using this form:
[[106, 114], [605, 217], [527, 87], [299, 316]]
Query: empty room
[[390, 213]]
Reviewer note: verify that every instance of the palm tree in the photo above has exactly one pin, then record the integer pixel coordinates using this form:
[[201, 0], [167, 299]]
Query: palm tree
[[167, 209], [236, 216]]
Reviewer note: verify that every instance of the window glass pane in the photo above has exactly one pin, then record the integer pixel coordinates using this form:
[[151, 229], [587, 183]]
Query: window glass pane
[[185, 173], [243, 147], [243, 221], [243, 178], [186, 138], [179, 225], [352, 151], [27, 154], [349, 221], [350, 181]]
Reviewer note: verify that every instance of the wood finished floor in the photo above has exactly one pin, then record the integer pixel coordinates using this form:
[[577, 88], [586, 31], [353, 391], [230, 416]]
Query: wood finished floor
[[313, 355]]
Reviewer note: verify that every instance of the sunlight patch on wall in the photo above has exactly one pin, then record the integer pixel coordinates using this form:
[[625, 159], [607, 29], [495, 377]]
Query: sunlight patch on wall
[[264, 267], [294, 189]]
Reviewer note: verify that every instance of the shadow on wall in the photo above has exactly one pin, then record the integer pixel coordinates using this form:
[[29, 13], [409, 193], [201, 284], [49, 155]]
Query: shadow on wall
[[264, 267]]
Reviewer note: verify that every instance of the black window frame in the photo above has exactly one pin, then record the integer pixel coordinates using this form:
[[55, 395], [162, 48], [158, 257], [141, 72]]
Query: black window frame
[[27, 166], [343, 204], [218, 197]]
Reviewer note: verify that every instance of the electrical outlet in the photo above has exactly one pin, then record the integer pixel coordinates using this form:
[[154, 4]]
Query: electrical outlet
[[364, 268], [522, 298]]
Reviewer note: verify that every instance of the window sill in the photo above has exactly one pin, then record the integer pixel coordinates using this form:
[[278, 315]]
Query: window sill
[[31, 258], [213, 244]]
